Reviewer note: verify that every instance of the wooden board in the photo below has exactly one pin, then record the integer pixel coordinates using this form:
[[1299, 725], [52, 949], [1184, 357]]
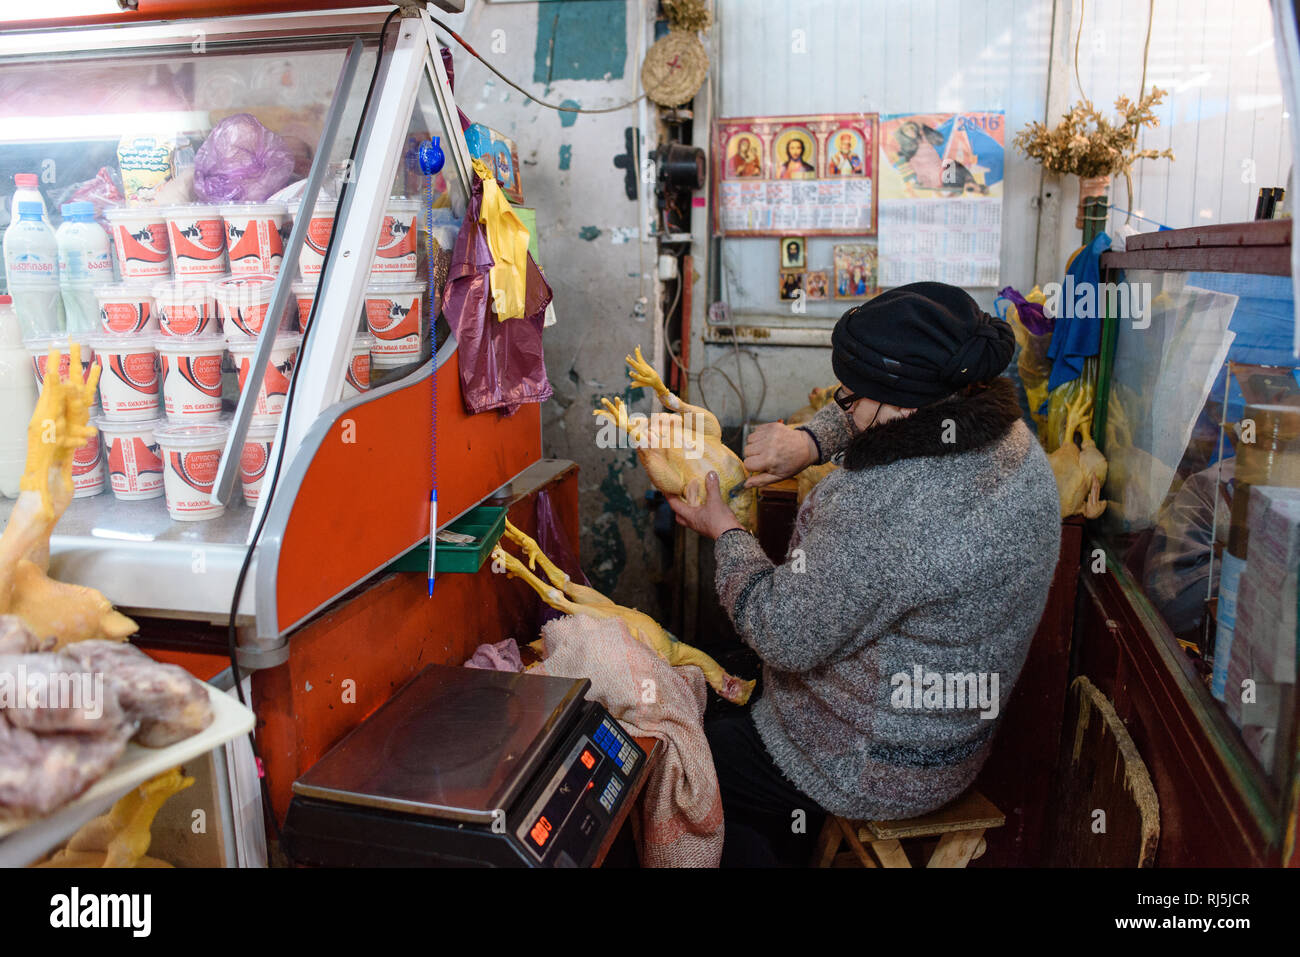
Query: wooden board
[[1107, 813]]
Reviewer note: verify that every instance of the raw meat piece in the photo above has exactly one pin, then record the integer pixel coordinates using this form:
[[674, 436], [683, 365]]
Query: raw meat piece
[[52, 692], [39, 773], [167, 701], [15, 639]]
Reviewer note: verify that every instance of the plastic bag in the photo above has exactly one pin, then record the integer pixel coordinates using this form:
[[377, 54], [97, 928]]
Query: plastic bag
[[1033, 332], [508, 239], [501, 363], [104, 190], [241, 161]]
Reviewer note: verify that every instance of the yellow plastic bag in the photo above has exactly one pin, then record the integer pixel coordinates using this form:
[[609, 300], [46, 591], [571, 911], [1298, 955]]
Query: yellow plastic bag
[[508, 239]]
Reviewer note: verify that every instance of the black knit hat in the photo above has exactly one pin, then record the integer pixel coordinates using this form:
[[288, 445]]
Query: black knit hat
[[916, 344]]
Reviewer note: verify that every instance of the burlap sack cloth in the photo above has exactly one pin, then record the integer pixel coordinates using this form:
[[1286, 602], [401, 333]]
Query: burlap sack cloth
[[680, 811]]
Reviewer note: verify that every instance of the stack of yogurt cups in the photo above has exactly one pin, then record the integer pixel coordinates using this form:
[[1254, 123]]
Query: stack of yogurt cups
[[396, 324]]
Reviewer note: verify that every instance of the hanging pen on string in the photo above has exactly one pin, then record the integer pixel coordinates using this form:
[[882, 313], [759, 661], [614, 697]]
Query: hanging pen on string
[[431, 159]]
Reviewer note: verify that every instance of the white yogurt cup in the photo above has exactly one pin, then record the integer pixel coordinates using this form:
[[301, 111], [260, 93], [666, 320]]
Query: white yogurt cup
[[88, 469], [191, 376], [279, 371], [357, 378], [395, 256], [395, 317], [39, 350], [197, 236], [317, 240], [126, 308], [253, 239], [135, 465], [191, 453], [255, 460], [128, 379], [186, 308], [243, 302], [305, 294], [140, 239]]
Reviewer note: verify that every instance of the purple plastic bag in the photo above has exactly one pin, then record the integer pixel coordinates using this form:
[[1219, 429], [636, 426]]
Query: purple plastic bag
[[501, 363], [241, 161], [1031, 314]]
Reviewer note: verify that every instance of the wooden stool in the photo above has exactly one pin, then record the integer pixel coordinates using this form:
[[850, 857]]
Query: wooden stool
[[960, 827]]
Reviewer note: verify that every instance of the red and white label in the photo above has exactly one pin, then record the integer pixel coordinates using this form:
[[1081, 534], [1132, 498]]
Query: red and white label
[[255, 245], [358, 374], [88, 469], [252, 467], [394, 320], [126, 315], [143, 251], [395, 254], [135, 468], [184, 319], [128, 382], [198, 246]]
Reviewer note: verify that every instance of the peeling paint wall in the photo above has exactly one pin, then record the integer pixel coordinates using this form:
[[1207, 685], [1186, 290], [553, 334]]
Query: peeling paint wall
[[579, 53]]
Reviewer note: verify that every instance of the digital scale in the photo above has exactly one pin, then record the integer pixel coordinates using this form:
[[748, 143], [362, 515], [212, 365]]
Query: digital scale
[[468, 768]]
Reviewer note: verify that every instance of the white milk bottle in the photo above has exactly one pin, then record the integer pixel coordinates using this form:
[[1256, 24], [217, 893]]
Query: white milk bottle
[[27, 191], [85, 261], [17, 400], [32, 272]]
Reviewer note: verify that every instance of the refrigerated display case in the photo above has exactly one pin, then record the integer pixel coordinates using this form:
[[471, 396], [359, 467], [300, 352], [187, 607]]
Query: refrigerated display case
[[354, 484]]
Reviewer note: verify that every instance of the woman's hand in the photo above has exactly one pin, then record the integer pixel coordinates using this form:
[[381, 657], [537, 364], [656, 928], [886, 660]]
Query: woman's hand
[[710, 519], [776, 451]]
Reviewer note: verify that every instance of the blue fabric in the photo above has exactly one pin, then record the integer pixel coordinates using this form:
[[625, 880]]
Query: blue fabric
[[1075, 338]]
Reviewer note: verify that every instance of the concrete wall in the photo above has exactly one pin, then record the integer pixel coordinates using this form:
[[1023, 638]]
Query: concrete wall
[[581, 53]]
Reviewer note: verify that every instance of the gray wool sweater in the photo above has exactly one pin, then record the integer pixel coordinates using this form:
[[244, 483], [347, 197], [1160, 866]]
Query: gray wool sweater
[[895, 629]]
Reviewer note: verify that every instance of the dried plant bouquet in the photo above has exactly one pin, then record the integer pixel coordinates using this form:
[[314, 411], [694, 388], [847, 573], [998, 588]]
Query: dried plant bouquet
[[1089, 145]]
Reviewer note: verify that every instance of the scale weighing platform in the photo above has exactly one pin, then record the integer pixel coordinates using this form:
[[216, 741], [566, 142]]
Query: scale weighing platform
[[468, 768]]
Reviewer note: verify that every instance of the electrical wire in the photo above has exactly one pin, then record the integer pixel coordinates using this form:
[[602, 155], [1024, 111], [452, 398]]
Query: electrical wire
[[550, 106], [1077, 37]]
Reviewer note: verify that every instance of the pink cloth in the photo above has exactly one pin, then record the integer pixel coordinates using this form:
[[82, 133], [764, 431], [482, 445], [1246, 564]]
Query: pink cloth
[[503, 656], [680, 811]]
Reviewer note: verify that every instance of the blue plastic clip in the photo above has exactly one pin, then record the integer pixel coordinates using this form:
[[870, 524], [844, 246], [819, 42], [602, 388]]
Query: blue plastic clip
[[431, 157]]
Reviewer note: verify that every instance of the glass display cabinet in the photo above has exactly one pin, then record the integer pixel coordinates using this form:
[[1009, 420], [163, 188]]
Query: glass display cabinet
[[1191, 626], [300, 413]]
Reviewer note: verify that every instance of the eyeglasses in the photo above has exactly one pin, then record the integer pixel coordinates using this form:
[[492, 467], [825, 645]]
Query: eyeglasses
[[843, 398]]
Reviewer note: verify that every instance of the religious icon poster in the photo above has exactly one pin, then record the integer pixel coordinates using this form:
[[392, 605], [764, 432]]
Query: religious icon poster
[[807, 175], [940, 179]]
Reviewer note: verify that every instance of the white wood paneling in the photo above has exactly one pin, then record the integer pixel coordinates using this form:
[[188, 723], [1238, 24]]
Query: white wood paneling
[[1223, 116]]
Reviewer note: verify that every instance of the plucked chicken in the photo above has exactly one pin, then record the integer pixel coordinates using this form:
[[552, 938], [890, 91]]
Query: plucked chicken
[[1079, 472], [567, 596], [679, 449]]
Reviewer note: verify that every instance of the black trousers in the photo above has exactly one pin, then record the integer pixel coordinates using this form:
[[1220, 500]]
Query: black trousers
[[768, 821]]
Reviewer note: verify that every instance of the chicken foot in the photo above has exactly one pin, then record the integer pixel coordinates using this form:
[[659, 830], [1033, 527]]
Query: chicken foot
[[642, 627]]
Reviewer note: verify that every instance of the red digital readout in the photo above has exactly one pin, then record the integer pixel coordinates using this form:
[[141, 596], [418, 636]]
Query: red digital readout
[[541, 831], [588, 760]]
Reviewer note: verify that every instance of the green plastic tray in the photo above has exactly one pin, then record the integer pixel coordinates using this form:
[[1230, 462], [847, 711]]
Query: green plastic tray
[[485, 523]]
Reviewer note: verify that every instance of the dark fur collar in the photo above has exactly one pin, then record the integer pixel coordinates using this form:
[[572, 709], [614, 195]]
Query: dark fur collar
[[968, 420]]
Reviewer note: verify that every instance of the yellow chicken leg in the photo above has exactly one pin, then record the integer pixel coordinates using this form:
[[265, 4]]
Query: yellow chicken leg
[[58, 428], [640, 625]]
